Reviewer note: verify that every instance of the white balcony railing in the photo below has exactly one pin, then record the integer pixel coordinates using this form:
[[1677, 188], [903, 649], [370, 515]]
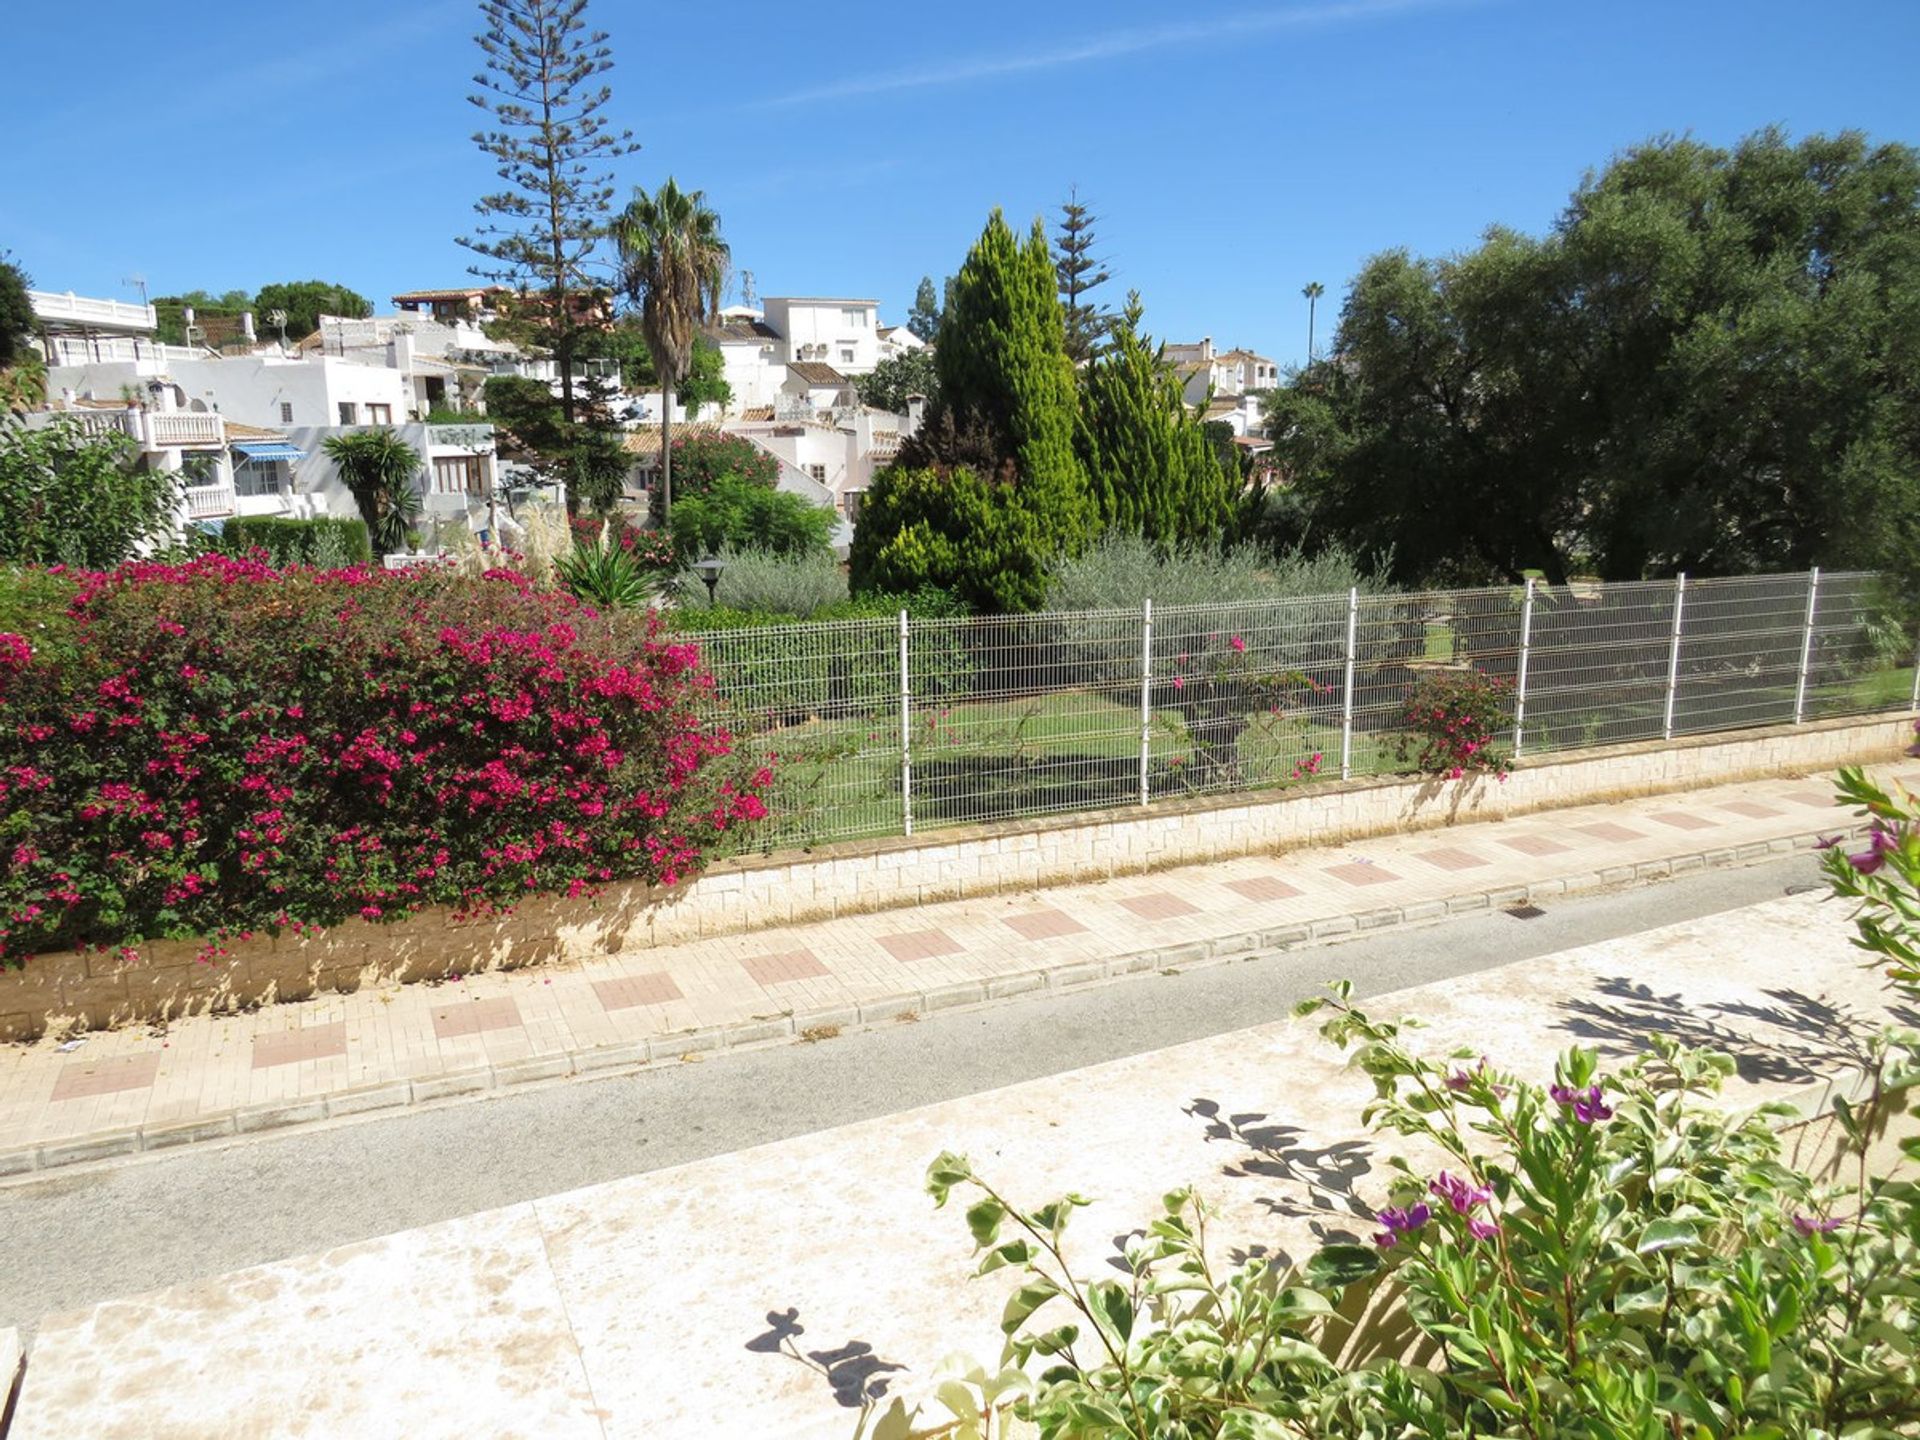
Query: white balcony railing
[[210, 502], [166, 429], [72, 309]]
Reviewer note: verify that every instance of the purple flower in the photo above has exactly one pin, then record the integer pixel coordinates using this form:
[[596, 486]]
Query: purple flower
[[1463, 1079], [1884, 841], [1811, 1225], [1400, 1222], [1458, 1193], [1482, 1229], [1827, 842], [1588, 1108]]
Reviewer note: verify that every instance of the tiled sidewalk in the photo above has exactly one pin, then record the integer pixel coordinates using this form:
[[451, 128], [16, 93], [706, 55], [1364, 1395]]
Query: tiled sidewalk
[[210, 1076]]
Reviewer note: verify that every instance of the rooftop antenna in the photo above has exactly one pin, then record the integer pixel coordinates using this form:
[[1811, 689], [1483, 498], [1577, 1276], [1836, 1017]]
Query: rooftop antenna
[[746, 288], [139, 280]]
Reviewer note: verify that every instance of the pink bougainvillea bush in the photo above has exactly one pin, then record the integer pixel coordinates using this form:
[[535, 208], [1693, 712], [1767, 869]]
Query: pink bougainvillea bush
[[217, 748], [1453, 719]]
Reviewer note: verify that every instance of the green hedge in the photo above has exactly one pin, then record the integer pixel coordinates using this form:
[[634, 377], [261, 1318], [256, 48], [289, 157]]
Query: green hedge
[[293, 542]]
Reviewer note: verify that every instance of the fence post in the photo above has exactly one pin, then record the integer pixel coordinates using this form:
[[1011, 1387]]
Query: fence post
[[1526, 652], [1806, 646], [906, 731], [1146, 698], [1346, 688], [1673, 653], [1916, 677]]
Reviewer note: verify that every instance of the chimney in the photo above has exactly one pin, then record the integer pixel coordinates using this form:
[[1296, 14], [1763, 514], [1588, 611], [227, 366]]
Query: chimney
[[916, 414], [400, 350], [246, 327]]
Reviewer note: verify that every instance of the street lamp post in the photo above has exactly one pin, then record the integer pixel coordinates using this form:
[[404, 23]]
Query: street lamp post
[[709, 569]]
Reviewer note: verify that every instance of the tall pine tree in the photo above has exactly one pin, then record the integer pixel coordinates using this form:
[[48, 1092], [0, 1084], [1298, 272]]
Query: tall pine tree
[[1077, 272], [552, 149], [1150, 466]]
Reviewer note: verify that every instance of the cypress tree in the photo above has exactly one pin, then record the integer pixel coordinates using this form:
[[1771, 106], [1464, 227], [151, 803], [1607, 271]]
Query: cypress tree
[[1151, 468]]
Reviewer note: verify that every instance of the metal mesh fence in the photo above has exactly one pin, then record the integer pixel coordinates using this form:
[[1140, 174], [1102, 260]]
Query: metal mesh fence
[[880, 727]]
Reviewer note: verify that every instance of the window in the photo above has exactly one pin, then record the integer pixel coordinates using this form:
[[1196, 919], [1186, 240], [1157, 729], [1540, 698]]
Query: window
[[819, 472], [458, 475], [379, 414], [846, 354], [262, 477], [286, 412], [349, 413], [856, 316], [853, 499]]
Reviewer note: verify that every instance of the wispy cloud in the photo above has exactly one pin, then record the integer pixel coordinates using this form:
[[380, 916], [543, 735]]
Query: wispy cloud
[[1111, 46]]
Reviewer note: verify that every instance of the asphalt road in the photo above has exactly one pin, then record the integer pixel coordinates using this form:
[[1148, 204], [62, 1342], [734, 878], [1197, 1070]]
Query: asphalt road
[[89, 1234]]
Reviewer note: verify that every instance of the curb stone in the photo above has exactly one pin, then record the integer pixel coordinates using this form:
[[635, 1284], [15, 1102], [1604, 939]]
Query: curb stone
[[629, 1057]]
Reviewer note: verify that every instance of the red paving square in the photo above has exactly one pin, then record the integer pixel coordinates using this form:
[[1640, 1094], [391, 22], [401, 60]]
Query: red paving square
[[106, 1076], [1358, 873], [1262, 888], [1536, 845], [470, 1017], [1607, 830], [921, 945], [1681, 820], [788, 965], [1820, 799], [309, 1042], [1451, 857], [1159, 906], [631, 990], [1043, 925], [1751, 809]]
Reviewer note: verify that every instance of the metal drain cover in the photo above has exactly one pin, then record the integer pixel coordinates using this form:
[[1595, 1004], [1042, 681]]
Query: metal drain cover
[[1525, 912]]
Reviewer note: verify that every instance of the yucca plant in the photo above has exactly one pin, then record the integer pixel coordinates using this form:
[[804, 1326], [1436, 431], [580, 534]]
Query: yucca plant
[[606, 576]]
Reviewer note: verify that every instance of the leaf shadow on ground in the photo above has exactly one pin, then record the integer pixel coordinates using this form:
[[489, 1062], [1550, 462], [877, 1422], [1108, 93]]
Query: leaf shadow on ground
[[1795, 1038], [1319, 1180], [854, 1373]]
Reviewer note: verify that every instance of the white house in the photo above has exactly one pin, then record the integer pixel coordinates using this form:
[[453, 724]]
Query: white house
[[840, 333], [749, 359], [1209, 377], [810, 388], [898, 340]]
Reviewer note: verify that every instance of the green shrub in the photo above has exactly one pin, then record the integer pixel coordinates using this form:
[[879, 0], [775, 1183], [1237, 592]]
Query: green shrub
[[71, 498], [950, 530], [703, 459], [800, 586], [739, 514], [1601, 1256], [328, 542], [606, 576], [1121, 570]]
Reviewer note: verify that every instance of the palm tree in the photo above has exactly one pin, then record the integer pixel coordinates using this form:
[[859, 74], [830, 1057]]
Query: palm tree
[[378, 467], [1313, 291], [673, 265]]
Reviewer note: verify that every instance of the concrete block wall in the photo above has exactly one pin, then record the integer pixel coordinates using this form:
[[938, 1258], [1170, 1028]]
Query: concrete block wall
[[73, 991]]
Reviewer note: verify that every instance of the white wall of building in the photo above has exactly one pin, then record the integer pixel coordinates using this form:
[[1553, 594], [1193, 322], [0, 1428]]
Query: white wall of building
[[268, 390], [840, 333]]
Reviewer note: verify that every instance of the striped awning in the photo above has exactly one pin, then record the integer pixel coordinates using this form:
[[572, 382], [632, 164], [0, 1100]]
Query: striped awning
[[270, 450]]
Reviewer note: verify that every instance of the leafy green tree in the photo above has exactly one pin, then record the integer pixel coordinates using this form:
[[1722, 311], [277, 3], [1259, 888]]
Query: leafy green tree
[[888, 384], [16, 312], [1153, 470], [552, 146], [705, 382], [673, 266], [924, 319], [70, 498], [1706, 366], [946, 529], [625, 342], [380, 471], [1078, 273], [738, 514], [702, 460], [170, 318], [304, 302]]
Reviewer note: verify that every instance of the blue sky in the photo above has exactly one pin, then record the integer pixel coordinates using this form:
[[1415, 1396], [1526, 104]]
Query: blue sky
[[1233, 152]]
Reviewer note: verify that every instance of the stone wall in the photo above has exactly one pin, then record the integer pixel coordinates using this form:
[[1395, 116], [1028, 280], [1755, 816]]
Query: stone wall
[[71, 991]]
